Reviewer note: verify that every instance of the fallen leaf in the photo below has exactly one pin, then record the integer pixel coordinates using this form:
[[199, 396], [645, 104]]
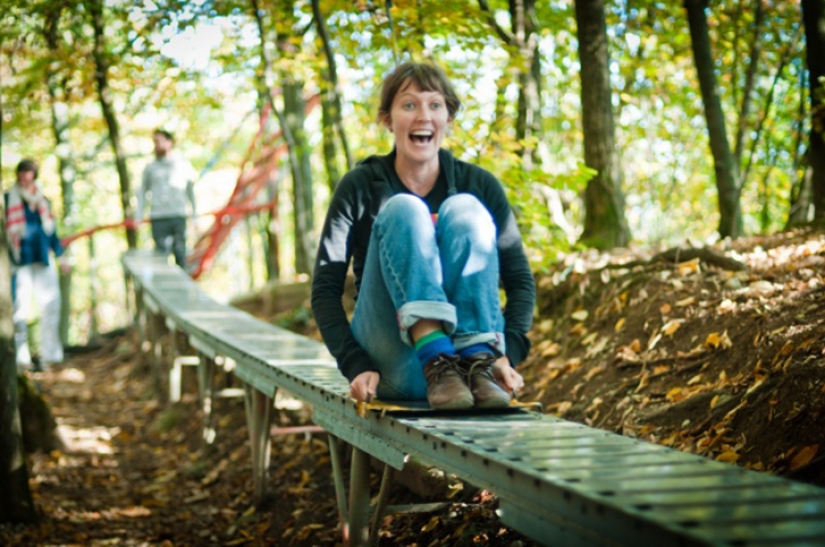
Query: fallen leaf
[[619, 324], [715, 340], [672, 326], [665, 309], [686, 302], [579, 315], [730, 456], [689, 267], [589, 339], [804, 456]]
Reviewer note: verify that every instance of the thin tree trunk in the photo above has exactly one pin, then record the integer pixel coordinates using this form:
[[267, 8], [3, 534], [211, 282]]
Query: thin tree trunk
[[264, 77], [522, 13], [750, 81], [328, 142], [65, 156], [104, 95], [298, 154], [605, 225], [301, 174], [799, 200], [334, 88], [813, 15], [725, 168], [16, 503]]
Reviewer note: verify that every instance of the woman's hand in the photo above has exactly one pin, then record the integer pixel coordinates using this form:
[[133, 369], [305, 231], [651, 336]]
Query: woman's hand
[[507, 376], [364, 385]]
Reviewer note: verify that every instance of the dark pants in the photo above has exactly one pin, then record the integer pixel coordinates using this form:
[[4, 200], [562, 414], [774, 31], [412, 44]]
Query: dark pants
[[170, 237]]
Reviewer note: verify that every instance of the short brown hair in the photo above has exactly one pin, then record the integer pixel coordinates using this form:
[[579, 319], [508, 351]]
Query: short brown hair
[[166, 134], [27, 166], [427, 77]]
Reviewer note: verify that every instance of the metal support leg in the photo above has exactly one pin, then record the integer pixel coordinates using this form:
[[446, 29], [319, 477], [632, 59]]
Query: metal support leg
[[175, 373], [381, 504], [359, 498], [258, 418], [206, 373], [156, 348], [340, 488]]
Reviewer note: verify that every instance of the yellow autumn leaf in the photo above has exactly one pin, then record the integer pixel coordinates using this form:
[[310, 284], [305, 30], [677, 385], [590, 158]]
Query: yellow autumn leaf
[[714, 401], [589, 339], [673, 393], [730, 456], [671, 326], [660, 369], [619, 324], [715, 340], [431, 525], [635, 345], [689, 267], [686, 302], [643, 382], [804, 456], [665, 309], [579, 315], [695, 380]]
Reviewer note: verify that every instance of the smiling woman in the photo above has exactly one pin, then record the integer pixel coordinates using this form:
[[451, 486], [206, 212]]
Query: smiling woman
[[429, 238]]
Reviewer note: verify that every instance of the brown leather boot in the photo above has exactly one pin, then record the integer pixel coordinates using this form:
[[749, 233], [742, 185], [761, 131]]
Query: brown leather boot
[[446, 383], [486, 391]]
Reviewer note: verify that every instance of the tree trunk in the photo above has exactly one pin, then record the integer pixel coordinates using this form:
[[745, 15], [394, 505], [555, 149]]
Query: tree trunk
[[328, 141], [332, 95], [528, 122], [65, 157], [301, 174], [725, 168], [104, 95], [813, 15], [605, 225], [16, 503], [292, 127], [264, 77]]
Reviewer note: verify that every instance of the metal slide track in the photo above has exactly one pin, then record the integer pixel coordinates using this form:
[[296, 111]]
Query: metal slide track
[[559, 482]]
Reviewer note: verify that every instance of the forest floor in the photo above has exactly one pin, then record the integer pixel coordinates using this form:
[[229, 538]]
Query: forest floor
[[718, 352]]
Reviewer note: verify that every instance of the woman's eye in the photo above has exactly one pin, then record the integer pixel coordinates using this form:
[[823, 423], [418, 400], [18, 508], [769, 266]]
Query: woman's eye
[[409, 106], [436, 106]]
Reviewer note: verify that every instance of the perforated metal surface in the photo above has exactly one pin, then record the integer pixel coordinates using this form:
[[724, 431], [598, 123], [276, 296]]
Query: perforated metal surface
[[559, 482]]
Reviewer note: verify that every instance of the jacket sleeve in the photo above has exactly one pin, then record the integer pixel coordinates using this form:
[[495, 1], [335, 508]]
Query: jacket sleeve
[[141, 195], [329, 276], [514, 270], [190, 190]]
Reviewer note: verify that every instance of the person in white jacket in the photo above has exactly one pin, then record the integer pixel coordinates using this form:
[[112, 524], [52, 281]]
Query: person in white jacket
[[32, 238], [167, 185]]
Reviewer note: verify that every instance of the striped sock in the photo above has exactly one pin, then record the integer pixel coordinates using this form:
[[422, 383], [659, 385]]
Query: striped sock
[[431, 345], [469, 351]]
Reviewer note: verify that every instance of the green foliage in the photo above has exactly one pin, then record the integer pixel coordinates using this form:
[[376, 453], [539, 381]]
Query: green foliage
[[157, 78]]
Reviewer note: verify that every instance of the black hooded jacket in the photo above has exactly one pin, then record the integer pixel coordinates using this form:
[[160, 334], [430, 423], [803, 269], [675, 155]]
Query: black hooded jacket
[[346, 236]]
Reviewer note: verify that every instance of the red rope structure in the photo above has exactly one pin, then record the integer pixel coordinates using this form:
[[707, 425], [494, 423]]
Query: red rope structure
[[262, 157]]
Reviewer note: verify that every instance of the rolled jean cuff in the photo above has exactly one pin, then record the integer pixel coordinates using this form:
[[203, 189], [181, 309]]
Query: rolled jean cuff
[[494, 339], [412, 312]]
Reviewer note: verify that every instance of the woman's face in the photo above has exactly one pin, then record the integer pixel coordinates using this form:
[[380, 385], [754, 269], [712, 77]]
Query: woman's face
[[25, 179], [418, 120]]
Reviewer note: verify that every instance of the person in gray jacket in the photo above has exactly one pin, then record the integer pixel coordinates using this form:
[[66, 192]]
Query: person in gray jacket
[[168, 183]]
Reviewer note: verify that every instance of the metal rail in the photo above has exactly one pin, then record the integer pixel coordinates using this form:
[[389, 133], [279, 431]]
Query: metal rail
[[558, 482]]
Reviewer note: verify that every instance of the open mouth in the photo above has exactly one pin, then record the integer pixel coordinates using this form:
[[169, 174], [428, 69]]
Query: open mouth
[[421, 137]]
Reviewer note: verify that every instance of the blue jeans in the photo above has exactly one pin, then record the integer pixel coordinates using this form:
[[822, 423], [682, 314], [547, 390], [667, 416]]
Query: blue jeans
[[417, 270]]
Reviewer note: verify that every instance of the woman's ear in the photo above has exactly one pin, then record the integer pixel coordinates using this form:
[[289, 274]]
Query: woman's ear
[[387, 121]]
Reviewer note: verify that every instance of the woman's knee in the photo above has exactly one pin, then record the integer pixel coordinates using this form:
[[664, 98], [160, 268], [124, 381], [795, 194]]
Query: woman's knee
[[403, 211], [465, 215]]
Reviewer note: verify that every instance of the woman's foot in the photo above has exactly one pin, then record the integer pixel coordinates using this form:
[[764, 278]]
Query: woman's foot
[[446, 383]]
